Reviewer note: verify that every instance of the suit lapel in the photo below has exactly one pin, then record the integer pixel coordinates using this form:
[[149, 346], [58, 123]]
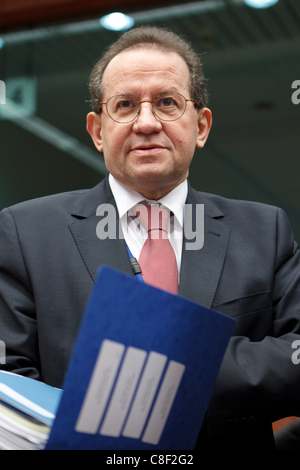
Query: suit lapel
[[201, 269], [96, 252]]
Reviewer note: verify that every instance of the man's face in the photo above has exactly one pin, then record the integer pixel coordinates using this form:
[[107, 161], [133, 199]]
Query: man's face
[[148, 155]]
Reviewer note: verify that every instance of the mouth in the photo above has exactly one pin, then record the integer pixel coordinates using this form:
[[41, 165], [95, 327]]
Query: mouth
[[147, 149]]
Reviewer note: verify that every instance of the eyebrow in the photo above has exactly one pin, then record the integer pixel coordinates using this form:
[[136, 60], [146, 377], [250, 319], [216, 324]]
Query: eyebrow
[[170, 90]]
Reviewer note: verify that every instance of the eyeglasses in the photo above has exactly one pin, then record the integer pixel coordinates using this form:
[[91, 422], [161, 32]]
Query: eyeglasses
[[168, 106]]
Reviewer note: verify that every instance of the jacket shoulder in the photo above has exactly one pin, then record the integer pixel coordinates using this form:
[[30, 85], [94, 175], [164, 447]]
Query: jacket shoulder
[[234, 206], [43, 206], [62, 203]]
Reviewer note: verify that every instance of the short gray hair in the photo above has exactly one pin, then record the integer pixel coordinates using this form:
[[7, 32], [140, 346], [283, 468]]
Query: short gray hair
[[150, 37]]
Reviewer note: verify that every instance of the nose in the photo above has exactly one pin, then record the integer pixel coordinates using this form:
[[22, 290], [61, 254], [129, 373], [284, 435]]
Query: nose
[[146, 122]]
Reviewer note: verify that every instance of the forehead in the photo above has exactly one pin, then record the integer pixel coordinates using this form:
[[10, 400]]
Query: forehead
[[145, 70]]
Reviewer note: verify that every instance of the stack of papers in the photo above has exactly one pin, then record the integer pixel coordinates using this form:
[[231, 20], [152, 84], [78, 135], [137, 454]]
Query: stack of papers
[[27, 412]]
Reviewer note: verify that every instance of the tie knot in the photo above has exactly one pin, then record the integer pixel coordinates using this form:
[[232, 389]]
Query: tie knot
[[154, 218]]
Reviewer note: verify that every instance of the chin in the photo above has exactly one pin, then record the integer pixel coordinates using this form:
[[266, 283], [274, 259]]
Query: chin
[[155, 185], [152, 178]]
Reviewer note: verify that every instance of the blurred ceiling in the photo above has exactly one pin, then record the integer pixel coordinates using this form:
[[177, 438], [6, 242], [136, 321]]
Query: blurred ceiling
[[251, 58], [29, 13]]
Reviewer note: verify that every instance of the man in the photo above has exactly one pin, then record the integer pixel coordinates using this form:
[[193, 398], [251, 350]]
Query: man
[[149, 114]]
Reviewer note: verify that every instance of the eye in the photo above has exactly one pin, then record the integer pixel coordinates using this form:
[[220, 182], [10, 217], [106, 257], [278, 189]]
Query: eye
[[121, 104], [125, 104], [166, 102]]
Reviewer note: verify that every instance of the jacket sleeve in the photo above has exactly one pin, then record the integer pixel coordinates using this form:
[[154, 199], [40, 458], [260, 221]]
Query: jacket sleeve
[[18, 325], [258, 381]]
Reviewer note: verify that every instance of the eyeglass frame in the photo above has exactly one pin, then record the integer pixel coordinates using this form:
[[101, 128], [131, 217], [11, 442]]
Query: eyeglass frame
[[148, 101]]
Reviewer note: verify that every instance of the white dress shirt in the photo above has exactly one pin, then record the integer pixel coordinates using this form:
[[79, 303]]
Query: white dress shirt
[[133, 232]]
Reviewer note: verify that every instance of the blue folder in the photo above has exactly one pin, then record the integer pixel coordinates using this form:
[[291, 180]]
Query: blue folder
[[34, 398], [143, 369]]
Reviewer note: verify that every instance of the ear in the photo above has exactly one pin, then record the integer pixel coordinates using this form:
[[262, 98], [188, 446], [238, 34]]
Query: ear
[[93, 126], [204, 126]]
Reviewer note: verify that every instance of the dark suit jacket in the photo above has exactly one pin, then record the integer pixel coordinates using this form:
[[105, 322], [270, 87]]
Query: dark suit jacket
[[248, 268]]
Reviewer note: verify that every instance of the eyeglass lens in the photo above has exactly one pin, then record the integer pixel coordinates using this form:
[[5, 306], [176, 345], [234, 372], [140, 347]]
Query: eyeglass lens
[[166, 106]]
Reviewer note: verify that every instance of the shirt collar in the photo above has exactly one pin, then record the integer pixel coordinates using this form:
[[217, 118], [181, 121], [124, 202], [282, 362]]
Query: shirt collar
[[127, 198]]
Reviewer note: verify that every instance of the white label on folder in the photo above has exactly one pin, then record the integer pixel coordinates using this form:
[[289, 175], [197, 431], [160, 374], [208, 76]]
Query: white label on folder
[[145, 394], [100, 386], [122, 389], [163, 403], [122, 396]]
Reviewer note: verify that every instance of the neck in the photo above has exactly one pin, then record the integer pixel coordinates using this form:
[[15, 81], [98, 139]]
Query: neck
[[155, 192], [156, 195]]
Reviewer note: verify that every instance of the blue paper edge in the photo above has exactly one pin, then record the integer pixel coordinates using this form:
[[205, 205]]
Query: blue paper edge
[[43, 395]]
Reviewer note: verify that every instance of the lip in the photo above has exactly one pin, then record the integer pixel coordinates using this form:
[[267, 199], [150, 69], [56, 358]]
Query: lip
[[147, 149]]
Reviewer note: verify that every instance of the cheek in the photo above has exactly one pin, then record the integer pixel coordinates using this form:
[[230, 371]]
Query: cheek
[[111, 141], [184, 137], [185, 145]]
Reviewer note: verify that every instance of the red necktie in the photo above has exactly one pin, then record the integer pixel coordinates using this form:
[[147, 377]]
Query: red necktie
[[157, 258]]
